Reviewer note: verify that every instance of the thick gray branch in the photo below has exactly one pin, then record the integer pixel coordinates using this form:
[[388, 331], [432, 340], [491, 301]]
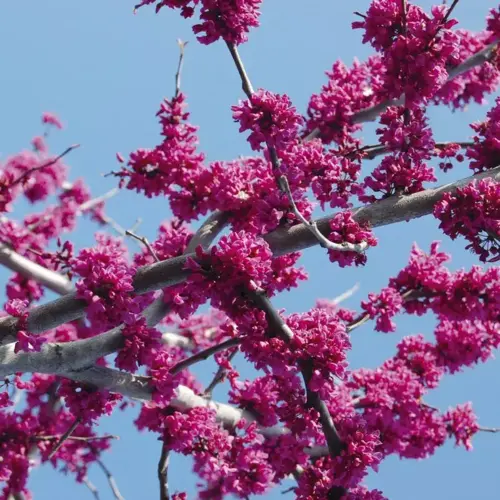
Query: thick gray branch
[[171, 272], [19, 264]]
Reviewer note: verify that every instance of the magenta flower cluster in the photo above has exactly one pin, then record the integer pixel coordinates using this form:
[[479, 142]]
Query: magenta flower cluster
[[474, 213], [230, 20], [308, 413]]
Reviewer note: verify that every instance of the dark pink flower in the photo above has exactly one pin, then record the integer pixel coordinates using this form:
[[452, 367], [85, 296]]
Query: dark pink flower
[[383, 306], [270, 117], [344, 229], [462, 424], [473, 212], [51, 119], [230, 20], [141, 344]]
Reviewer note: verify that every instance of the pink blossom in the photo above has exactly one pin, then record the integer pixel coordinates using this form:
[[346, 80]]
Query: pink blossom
[[344, 229], [464, 343], [474, 213], [462, 424], [154, 171], [51, 119], [415, 47], [348, 90], [383, 306], [141, 344], [239, 262], [422, 358], [485, 152], [87, 403], [106, 282], [271, 118], [227, 19], [320, 338]]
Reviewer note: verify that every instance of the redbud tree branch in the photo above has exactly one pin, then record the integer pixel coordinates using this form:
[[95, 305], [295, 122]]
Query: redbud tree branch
[[45, 164], [371, 114], [277, 323], [163, 472], [281, 241]]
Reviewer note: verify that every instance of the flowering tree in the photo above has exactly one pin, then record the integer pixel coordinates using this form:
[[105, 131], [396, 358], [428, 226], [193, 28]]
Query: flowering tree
[[127, 328]]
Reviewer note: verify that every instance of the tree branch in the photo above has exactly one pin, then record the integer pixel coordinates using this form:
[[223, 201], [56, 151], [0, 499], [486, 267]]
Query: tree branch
[[205, 354], [31, 270], [163, 472], [277, 323], [371, 114], [282, 241]]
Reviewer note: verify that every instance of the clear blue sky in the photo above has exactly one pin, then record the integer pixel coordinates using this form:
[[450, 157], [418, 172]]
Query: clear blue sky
[[104, 71]]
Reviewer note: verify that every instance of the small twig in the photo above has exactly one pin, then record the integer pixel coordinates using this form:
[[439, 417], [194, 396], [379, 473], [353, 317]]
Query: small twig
[[313, 228], [49, 163], [114, 225], [76, 438], [202, 355], [357, 322], [403, 15], [88, 205], [93, 489], [371, 152], [64, 437], [246, 85], [356, 13], [145, 242], [490, 429], [136, 225], [450, 10], [111, 480], [344, 296], [218, 378], [163, 472], [182, 46]]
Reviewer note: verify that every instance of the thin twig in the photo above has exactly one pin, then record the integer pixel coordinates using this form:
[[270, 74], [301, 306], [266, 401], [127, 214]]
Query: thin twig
[[114, 225], [344, 296], [145, 242], [371, 152], [205, 354], [219, 376], [489, 429], [48, 163], [136, 225], [313, 228], [93, 489], [182, 46], [450, 10], [88, 205], [77, 438], [109, 476], [246, 85], [64, 437], [163, 472]]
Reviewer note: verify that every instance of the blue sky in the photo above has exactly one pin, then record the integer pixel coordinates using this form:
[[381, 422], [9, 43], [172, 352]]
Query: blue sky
[[104, 71]]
